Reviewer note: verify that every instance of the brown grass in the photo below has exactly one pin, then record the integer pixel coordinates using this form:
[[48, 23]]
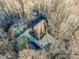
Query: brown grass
[[62, 15]]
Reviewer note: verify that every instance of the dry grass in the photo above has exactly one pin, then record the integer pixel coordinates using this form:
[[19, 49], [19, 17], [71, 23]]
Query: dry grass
[[62, 15]]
